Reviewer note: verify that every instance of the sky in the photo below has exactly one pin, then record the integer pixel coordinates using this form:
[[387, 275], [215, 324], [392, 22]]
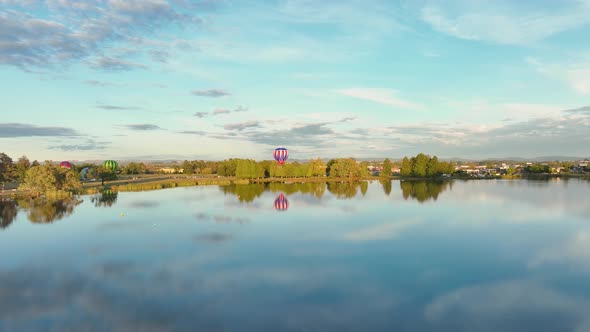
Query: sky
[[217, 79]]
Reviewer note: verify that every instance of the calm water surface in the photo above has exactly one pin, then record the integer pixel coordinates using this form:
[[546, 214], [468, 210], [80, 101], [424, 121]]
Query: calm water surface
[[393, 256]]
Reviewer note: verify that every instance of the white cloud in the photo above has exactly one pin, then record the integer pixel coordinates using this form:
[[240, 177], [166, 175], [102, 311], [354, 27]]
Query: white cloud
[[575, 250], [383, 231], [575, 72], [517, 305], [506, 22], [381, 96]]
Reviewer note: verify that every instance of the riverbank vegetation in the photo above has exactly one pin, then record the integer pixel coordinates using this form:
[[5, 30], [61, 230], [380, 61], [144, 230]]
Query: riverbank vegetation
[[32, 178]]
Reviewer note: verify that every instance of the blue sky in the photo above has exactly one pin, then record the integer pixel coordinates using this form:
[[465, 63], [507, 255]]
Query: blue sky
[[181, 79]]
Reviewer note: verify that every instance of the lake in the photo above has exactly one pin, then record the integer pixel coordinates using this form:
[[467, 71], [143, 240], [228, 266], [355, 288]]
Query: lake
[[487, 255]]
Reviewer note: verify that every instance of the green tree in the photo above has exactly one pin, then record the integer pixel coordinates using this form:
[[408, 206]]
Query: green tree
[[319, 168], [21, 167], [48, 177], [188, 167], [265, 165], [6, 169], [445, 168], [227, 167], [106, 174], [510, 171], [432, 167], [329, 165], [277, 170], [347, 167], [310, 168], [243, 169], [40, 179], [69, 180], [364, 169], [134, 168], [290, 170], [419, 165], [387, 165], [406, 168]]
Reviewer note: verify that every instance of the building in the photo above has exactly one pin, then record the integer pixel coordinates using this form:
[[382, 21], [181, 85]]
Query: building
[[170, 170]]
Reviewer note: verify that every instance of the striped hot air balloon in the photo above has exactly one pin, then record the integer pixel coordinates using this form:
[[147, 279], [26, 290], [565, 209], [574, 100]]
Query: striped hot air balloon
[[110, 165], [281, 155], [281, 203], [66, 164]]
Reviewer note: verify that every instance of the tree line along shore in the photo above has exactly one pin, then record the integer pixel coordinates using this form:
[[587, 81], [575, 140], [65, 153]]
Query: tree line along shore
[[48, 178]]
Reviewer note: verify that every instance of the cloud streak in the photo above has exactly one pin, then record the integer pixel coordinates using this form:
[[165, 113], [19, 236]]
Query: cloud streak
[[142, 127], [210, 93], [505, 22], [118, 108], [220, 111], [29, 130], [386, 97], [89, 145], [112, 64], [575, 72], [242, 125]]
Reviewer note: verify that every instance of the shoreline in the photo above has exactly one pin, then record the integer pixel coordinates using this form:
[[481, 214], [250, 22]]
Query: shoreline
[[172, 181]]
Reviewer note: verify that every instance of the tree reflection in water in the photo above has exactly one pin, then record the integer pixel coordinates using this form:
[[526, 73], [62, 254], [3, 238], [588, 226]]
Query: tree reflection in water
[[8, 212], [105, 198], [316, 189], [344, 189], [423, 190], [245, 192], [47, 210], [386, 186], [249, 192]]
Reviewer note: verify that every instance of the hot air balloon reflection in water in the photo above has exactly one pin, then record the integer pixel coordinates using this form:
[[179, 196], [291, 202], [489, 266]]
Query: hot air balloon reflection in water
[[281, 203], [66, 164], [281, 155]]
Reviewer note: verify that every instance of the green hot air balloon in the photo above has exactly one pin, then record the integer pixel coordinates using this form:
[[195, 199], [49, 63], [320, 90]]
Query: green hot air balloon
[[110, 165]]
